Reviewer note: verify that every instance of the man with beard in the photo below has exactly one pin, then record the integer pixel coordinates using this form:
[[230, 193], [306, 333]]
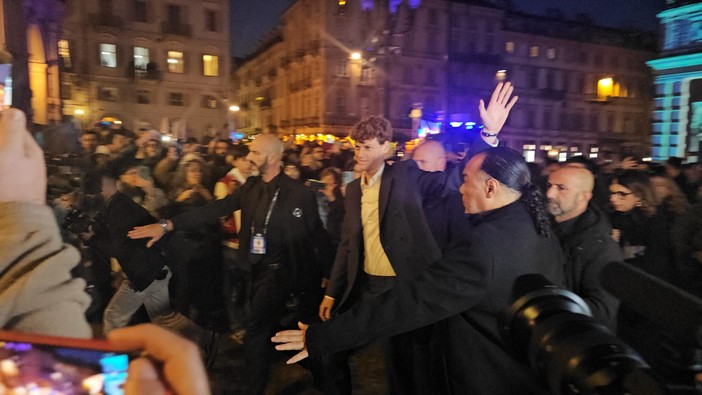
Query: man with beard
[[282, 242], [218, 161], [584, 233]]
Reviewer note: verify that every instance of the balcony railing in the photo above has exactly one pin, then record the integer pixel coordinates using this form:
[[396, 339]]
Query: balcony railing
[[107, 20], [179, 29]]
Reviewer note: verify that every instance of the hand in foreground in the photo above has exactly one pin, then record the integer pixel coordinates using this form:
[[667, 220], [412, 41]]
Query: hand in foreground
[[495, 116], [154, 231], [180, 369], [22, 167], [292, 340]]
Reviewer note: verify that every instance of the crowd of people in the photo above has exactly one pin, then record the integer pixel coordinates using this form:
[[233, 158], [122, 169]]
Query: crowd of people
[[420, 254]]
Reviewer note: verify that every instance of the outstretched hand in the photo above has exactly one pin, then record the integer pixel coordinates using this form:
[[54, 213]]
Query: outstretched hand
[[497, 111], [154, 231], [292, 340]]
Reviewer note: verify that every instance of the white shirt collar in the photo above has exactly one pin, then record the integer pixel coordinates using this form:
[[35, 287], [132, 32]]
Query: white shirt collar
[[365, 182]]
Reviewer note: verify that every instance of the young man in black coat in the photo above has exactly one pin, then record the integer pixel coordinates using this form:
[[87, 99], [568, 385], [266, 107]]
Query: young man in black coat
[[388, 235], [585, 235], [282, 241], [471, 284]]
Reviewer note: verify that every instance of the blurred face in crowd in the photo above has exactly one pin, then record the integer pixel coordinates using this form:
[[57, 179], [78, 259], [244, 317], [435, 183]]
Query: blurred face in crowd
[[118, 143], [109, 188], [430, 156], [193, 174], [622, 198], [292, 171], [131, 176], [221, 149], [152, 148], [569, 190], [329, 181], [88, 142], [243, 165], [318, 153], [370, 154], [661, 187], [189, 148]]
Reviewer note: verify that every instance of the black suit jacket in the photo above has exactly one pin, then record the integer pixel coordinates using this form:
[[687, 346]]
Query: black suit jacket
[[471, 285], [142, 265], [307, 247], [404, 232]]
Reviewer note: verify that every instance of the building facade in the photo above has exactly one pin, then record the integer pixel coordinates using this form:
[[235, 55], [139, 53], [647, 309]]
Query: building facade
[[583, 89], [147, 64], [677, 117], [29, 31]]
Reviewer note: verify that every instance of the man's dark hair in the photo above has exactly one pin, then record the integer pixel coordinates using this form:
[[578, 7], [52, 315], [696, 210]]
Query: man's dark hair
[[509, 168], [88, 131], [372, 127], [191, 140], [239, 151], [675, 162]]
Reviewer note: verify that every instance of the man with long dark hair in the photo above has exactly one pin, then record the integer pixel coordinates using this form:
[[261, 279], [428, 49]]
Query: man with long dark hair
[[471, 285]]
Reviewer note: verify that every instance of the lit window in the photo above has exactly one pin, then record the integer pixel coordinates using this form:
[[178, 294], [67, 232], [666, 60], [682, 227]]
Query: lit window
[[551, 53], [175, 62], [211, 102], [529, 152], [501, 75], [108, 55], [210, 65], [604, 88], [141, 58], [534, 51], [509, 47], [64, 52]]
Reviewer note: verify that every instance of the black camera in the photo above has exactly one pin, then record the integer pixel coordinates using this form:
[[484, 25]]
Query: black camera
[[77, 221], [552, 329]]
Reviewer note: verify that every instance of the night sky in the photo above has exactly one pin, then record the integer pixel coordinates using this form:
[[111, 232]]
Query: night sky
[[252, 19]]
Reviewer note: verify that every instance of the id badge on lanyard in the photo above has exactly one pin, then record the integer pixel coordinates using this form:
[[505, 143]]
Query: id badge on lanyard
[[258, 244], [258, 241]]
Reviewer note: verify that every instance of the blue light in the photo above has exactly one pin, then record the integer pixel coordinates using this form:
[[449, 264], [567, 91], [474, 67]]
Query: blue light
[[456, 124], [470, 123], [469, 127]]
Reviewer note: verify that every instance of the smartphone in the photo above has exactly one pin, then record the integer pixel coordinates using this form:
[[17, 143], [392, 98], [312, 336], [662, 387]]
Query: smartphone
[[54, 365]]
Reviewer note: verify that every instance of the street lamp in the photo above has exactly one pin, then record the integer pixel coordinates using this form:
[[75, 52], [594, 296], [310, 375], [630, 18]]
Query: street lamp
[[234, 108], [80, 111], [356, 56]]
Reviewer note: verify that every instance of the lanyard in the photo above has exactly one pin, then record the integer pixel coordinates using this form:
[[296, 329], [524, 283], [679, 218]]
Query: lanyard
[[268, 214]]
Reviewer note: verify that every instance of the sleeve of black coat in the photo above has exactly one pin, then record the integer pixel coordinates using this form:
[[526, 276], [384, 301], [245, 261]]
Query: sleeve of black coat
[[604, 306], [209, 213], [452, 285], [338, 276], [324, 253]]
